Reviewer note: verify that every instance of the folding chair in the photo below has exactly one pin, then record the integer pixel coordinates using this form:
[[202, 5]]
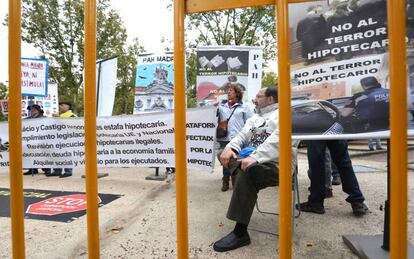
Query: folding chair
[[295, 198]]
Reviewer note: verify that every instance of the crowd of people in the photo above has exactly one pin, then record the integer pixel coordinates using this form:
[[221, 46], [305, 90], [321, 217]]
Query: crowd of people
[[65, 111], [250, 157], [329, 164]]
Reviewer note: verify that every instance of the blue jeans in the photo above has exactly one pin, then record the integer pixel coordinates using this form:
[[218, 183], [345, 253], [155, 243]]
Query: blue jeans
[[340, 157], [334, 169], [377, 143], [223, 144]]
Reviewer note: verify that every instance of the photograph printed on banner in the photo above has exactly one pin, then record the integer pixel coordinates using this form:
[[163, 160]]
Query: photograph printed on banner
[[220, 66], [154, 85], [214, 89], [340, 67]]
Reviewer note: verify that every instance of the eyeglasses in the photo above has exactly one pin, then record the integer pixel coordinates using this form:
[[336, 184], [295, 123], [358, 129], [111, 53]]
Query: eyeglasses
[[260, 96]]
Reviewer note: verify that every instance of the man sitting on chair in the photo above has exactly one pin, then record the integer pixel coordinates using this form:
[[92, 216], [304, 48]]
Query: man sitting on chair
[[255, 172]]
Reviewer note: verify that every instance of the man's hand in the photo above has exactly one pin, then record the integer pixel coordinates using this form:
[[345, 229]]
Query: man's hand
[[226, 155], [246, 162]]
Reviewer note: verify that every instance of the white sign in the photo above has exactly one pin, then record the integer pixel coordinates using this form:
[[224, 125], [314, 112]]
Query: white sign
[[34, 77], [219, 66], [106, 74], [146, 140], [154, 83]]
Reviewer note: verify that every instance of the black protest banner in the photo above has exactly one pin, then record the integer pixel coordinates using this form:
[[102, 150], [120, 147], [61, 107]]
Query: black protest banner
[[52, 205]]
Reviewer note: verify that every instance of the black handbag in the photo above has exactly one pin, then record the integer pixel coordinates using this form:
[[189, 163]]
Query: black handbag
[[222, 131]]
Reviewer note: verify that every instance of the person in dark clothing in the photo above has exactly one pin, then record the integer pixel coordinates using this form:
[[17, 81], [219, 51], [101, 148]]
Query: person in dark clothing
[[36, 112], [374, 12], [311, 32], [340, 157], [341, 16], [368, 110], [410, 20]]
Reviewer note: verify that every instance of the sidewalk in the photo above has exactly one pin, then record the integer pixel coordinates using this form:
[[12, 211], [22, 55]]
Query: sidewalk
[[141, 224]]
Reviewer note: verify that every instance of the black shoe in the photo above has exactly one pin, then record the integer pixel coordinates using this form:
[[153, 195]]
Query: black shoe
[[371, 148], [336, 180], [64, 175], [359, 208], [307, 207], [47, 170], [231, 242], [30, 172]]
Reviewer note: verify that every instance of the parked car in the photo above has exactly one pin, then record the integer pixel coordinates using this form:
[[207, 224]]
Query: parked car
[[315, 117], [339, 102]]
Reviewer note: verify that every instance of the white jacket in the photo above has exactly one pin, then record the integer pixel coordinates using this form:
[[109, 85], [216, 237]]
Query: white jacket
[[242, 112], [261, 132]]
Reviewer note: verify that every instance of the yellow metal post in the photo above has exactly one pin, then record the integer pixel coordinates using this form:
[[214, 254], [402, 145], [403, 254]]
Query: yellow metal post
[[285, 135], [180, 130], [90, 130], [15, 130], [398, 111]]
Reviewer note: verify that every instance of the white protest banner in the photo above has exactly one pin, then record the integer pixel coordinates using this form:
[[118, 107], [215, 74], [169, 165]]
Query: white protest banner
[[340, 69], [218, 66], [146, 140], [106, 71], [34, 76]]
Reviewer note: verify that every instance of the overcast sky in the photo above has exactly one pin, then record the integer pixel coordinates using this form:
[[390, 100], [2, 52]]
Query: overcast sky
[[149, 21]]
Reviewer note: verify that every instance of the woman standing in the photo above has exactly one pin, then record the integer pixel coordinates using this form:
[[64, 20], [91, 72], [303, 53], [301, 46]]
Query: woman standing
[[235, 112]]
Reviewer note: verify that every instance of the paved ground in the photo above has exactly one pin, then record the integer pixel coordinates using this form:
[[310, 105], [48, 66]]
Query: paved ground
[[141, 224]]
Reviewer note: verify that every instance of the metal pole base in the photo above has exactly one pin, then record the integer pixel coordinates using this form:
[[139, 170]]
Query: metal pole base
[[156, 176], [369, 247], [100, 175]]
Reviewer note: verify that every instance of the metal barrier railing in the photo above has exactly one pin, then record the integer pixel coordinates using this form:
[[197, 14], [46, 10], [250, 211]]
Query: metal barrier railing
[[91, 179], [15, 125], [396, 28]]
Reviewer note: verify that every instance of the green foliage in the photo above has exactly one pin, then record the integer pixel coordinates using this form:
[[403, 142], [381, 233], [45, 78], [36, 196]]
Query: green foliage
[[191, 70], [56, 28], [246, 26], [125, 92], [269, 79], [3, 93]]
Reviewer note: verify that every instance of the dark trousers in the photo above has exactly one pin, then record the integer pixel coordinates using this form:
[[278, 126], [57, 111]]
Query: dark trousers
[[248, 185], [340, 157], [223, 144]]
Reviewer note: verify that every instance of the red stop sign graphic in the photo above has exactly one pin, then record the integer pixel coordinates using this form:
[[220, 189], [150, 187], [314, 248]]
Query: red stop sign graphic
[[59, 205]]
